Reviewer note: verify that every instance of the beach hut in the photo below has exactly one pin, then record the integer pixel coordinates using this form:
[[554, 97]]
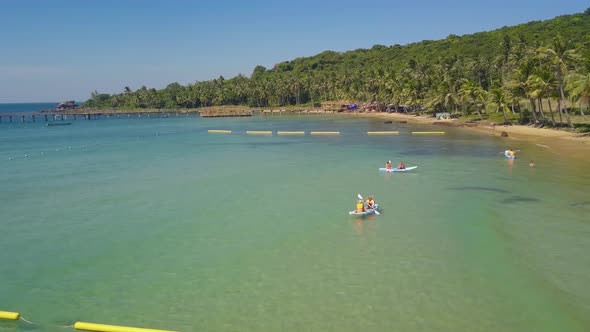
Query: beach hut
[[66, 105]]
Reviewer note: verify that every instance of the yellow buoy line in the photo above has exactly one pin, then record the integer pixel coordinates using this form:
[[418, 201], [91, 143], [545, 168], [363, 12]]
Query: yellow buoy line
[[217, 131], [259, 132], [428, 133], [382, 132], [9, 315], [83, 326], [322, 133], [290, 132]]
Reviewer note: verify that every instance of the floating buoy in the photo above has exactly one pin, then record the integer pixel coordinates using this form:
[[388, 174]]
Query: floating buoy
[[259, 132], [325, 133], [382, 132], [9, 315], [111, 328], [290, 133], [428, 133]]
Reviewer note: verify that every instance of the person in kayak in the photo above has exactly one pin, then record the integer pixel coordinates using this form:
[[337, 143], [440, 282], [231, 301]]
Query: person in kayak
[[360, 207], [532, 163], [402, 165], [511, 153], [370, 203], [388, 165]]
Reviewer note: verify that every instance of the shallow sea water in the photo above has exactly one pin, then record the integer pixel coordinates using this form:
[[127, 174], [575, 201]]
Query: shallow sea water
[[157, 223]]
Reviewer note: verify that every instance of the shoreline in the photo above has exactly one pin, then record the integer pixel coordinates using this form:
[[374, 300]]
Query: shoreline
[[558, 141]]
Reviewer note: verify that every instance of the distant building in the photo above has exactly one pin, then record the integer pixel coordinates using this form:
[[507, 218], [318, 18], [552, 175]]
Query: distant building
[[66, 105]]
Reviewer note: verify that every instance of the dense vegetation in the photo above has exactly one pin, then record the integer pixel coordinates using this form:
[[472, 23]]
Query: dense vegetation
[[506, 70]]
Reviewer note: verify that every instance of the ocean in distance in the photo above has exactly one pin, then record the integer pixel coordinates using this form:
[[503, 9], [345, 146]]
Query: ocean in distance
[[158, 223], [25, 107]]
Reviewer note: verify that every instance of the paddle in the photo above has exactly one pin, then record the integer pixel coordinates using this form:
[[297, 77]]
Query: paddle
[[361, 198]]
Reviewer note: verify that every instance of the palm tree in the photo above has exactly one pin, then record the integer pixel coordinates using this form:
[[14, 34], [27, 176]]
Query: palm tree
[[435, 98], [521, 84], [498, 100], [503, 59], [411, 94], [473, 94], [560, 57], [511, 97], [546, 84], [579, 86]]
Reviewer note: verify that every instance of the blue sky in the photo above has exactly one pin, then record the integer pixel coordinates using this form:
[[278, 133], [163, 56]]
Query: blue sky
[[56, 50]]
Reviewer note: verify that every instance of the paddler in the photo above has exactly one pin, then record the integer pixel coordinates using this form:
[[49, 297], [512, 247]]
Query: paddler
[[370, 203], [388, 165], [511, 153], [402, 165], [360, 207]]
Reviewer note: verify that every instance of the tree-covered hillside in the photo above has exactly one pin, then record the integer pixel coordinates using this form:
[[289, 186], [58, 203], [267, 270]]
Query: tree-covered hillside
[[501, 70]]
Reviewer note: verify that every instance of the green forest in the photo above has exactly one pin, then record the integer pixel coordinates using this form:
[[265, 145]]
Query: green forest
[[539, 70]]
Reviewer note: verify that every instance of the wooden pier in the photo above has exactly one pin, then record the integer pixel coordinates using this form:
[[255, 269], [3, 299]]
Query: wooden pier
[[86, 115]]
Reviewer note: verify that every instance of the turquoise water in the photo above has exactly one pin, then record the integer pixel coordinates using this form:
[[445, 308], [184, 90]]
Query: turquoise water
[[156, 223]]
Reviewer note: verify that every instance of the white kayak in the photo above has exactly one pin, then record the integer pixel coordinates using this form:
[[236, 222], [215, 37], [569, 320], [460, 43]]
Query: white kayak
[[508, 155], [366, 212], [398, 169]]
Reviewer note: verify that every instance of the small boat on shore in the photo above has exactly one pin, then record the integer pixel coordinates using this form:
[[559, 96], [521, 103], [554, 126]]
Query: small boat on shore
[[51, 124]]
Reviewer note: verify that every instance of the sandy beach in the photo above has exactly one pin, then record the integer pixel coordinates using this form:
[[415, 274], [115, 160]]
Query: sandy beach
[[560, 142]]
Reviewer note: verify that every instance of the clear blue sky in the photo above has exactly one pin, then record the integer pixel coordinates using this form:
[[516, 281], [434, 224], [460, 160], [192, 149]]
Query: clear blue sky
[[56, 50]]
